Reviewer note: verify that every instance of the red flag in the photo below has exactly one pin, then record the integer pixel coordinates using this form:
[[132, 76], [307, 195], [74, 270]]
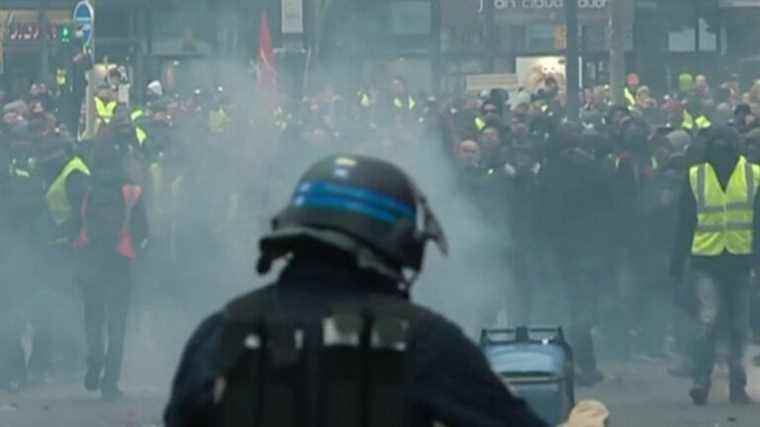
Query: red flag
[[267, 76]]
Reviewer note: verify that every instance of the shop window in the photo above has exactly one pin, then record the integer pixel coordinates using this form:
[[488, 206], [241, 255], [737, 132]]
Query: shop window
[[510, 37], [595, 37], [112, 23], [410, 18], [462, 39], [183, 30], [682, 40], [540, 37], [708, 41]]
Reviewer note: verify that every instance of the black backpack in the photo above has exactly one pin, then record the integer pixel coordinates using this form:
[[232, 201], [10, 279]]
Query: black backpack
[[352, 368]]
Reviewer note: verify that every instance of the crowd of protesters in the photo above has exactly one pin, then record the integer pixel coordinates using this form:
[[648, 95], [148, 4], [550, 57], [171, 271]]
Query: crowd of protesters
[[591, 204]]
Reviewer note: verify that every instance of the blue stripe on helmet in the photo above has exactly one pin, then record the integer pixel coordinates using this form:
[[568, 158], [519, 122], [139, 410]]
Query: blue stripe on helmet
[[356, 194], [345, 204]]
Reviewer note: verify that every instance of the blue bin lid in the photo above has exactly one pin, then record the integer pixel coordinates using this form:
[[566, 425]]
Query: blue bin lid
[[526, 357]]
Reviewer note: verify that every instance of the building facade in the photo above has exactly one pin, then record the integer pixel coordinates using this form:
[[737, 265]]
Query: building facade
[[433, 43]]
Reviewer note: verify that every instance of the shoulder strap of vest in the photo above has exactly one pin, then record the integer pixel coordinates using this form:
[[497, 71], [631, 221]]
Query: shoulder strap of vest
[[697, 181], [78, 164], [73, 164], [351, 368], [755, 172]]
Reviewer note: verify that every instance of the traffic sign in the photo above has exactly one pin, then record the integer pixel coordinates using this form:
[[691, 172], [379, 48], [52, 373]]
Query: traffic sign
[[84, 17]]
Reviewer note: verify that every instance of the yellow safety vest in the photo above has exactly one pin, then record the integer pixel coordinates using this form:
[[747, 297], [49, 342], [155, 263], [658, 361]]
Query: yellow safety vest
[[60, 77], [105, 111], [725, 219], [629, 97], [218, 120], [480, 124], [702, 122], [139, 131], [364, 100], [399, 103], [689, 123], [57, 199]]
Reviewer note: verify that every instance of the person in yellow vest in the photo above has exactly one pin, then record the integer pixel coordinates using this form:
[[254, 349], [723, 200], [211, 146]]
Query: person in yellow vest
[[632, 85], [138, 118], [402, 101], [113, 230], [694, 118], [105, 107], [66, 177], [718, 222]]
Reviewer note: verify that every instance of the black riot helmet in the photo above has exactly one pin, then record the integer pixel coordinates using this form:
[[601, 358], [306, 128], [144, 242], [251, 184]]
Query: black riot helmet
[[364, 207]]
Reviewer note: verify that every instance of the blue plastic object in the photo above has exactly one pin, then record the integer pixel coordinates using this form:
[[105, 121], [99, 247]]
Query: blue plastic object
[[537, 364]]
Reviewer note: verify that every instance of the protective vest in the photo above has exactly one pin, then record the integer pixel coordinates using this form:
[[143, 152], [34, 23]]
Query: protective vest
[[480, 124], [725, 219], [364, 99], [629, 98], [131, 195], [689, 123], [139, 131], [350, 368], [399, 103], [61, 77], [218, 120], [105, 110], [57, 199]]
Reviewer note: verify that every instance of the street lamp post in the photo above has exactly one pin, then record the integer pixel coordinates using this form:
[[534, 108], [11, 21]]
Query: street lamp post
[[617, 51], [43, 24], [573, 61]]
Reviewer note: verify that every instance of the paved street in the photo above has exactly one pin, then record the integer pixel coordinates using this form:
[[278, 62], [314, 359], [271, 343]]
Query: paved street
[[71, 406], [639, 394], [642, 394]]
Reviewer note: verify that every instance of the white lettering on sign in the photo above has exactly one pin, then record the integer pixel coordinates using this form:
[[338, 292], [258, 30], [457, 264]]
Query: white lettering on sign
[[546, 4]]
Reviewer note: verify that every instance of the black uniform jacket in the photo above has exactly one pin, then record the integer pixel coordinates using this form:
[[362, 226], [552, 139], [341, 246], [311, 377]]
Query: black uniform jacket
[[453, 383]]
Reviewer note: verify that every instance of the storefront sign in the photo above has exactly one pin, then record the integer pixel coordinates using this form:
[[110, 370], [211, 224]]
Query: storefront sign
[[543, 5], [21, 32], [23, 25], [739, 3]]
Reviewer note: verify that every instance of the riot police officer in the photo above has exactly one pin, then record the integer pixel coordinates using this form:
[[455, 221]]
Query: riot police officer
[[335, 340]]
